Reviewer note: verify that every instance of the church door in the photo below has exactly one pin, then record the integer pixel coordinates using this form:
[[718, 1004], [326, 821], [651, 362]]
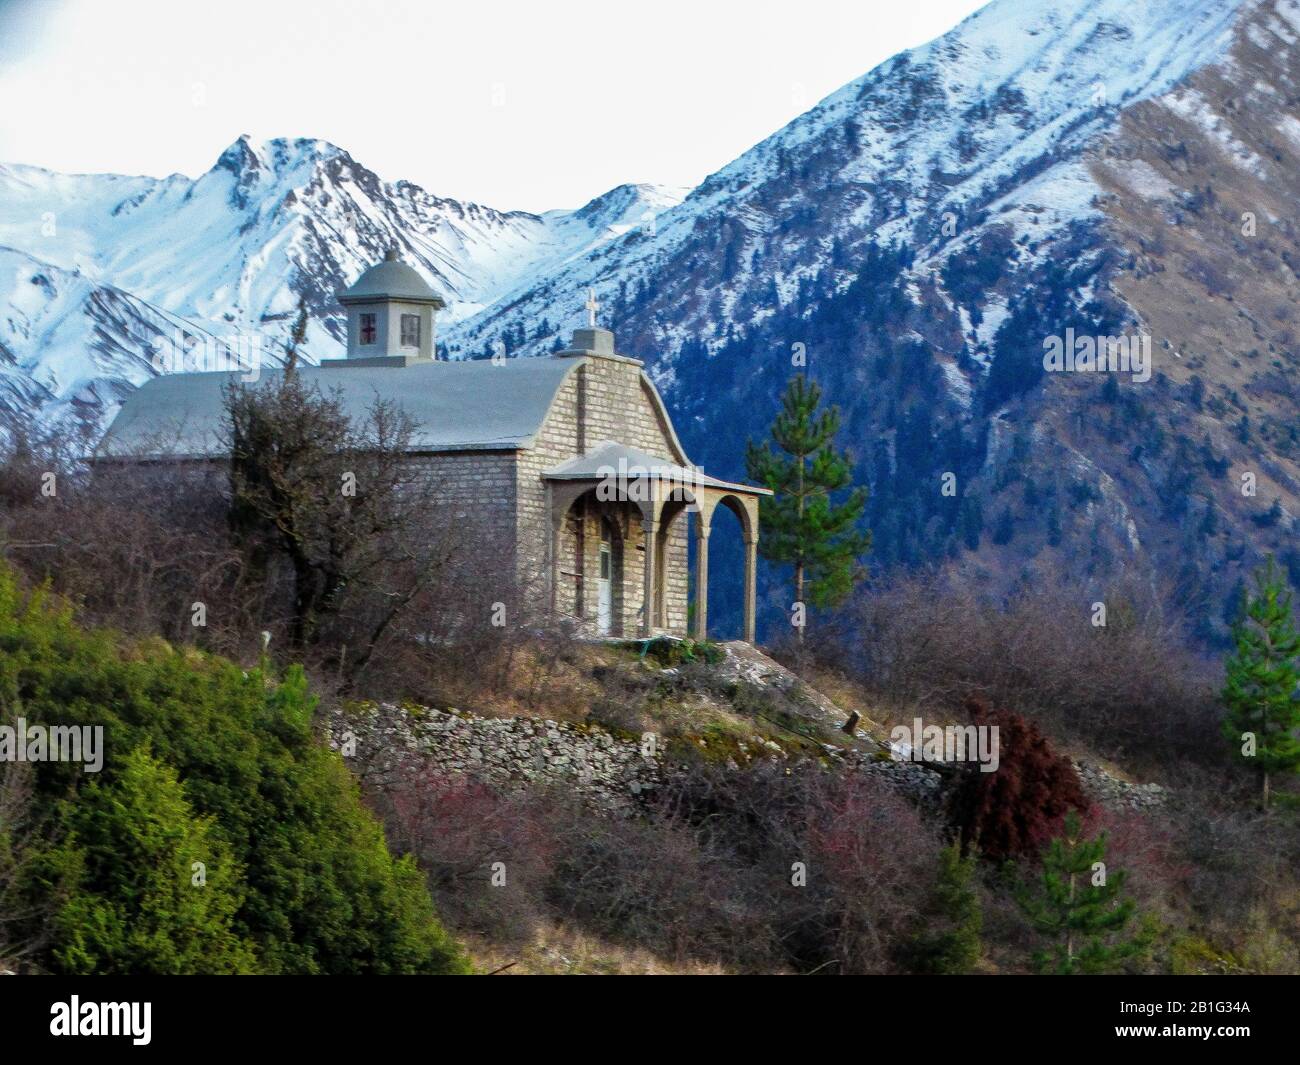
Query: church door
[[604, 583]]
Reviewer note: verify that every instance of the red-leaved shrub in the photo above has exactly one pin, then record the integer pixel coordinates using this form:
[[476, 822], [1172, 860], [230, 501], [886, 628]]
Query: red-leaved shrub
[[1013, 811]]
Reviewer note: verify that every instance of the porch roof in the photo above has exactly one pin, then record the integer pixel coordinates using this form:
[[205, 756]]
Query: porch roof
[[610, 459]]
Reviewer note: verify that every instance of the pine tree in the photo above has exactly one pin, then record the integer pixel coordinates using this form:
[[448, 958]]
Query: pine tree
[[972, 522], [1262, 677], [1080, 907], [1005, 530], [955, 904], [802, 525], [1054, 531]]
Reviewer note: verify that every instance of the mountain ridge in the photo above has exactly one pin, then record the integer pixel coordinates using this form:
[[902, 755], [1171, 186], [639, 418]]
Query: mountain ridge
[[920, 233], [232, 251]]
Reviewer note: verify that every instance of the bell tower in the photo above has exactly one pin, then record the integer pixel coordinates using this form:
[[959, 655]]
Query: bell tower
[[390, 316]]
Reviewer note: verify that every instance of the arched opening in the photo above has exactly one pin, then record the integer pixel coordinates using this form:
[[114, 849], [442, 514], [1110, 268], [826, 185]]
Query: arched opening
[[590, 563], [609, 579], [726, 572], [617, 582]]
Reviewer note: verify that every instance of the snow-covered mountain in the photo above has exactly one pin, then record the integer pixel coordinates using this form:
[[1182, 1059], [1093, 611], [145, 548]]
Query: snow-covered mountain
[[992, 117], [1047, 164], [101, 273]]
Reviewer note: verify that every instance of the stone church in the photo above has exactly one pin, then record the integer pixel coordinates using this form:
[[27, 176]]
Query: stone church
[[571, 460]]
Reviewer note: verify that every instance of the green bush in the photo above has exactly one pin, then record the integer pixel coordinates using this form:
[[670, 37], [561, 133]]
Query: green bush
[[134, 855], [950, 942], [225, 761], [671, 653]]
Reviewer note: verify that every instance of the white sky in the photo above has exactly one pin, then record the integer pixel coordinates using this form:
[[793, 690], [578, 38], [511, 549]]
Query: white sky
[[529, 105]]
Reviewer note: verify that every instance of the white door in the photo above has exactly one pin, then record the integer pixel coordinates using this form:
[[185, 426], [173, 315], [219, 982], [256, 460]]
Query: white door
[[604, 595]]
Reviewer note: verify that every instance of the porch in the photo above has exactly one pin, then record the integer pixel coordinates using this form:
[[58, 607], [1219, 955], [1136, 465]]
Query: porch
[[617, 555]]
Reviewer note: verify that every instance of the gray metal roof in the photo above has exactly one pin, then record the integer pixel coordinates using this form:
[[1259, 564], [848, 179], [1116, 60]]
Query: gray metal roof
[[391, 279], [609, 459], [456, 406]]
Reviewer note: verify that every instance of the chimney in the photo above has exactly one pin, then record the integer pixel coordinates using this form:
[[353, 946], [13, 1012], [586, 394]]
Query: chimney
[[591, 342]]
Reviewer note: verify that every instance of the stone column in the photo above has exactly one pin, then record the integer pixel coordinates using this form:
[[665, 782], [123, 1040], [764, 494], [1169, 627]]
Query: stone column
[[751, 587], [650, 529], [552, 550], [701, 580]]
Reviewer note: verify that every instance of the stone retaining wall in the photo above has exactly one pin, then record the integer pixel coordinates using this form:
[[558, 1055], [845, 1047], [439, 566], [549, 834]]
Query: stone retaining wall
[[611, 772], [503, 752]]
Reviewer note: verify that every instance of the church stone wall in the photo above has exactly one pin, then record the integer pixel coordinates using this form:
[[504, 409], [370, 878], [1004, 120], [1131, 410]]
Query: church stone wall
[[480, 487], [604, 399]]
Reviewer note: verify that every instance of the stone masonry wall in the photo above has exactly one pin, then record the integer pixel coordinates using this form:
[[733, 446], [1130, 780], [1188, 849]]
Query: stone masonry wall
[[505, 753], [611, 773], [480, 486], [604, 399]]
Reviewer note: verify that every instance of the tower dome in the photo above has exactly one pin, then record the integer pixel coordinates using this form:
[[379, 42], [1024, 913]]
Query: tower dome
[[392, 280]]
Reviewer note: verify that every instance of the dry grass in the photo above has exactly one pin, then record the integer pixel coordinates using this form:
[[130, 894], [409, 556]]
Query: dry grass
[[557, 950]]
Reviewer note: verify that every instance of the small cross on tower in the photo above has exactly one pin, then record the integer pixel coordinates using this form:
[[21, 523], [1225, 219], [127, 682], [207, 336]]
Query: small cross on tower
[[592, 307]]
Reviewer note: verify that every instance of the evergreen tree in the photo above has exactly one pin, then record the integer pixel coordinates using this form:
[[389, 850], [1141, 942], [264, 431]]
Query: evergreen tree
[[1262, 676], [1005, 530], [298, 876], [803, 526], [954, 947], [1054, 531], [1210, 523], [1080, 907], [972, 522], [157, 887]]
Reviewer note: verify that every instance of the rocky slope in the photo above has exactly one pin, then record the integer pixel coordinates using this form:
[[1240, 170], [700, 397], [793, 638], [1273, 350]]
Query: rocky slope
[[618, 772]]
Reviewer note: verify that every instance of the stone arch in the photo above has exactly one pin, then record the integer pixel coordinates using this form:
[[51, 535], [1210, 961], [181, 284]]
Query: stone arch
[[650, 511], [746, 510], [578, 518]]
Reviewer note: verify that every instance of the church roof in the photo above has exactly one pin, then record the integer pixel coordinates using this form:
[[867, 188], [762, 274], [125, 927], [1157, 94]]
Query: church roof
[[456, 406], [610, 459], [392, 279]]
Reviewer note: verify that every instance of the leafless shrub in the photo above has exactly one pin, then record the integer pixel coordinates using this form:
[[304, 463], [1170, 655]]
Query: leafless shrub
[[486, 854], [834, 861], [756, 870], [407, 607], [1238, 873], [1127, 688], [135, 550], [653, 884]]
